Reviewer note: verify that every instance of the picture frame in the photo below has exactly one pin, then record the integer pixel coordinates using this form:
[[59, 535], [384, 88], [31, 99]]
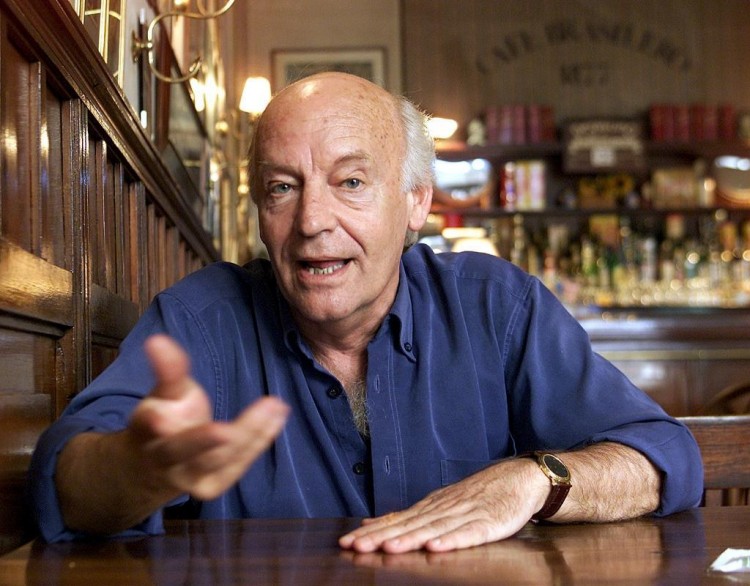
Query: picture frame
[[289, 65]]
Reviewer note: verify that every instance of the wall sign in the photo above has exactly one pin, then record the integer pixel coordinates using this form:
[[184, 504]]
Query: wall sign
[[593, 146]]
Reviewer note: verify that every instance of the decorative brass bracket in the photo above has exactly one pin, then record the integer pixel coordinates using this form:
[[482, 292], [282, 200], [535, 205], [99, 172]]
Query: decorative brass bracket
[[140, 45]]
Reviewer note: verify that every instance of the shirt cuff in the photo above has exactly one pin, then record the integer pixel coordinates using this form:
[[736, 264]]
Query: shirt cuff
[[42, 491], [672, 450]]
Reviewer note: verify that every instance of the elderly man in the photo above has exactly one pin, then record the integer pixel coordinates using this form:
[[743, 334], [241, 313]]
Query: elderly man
[[347, 377]]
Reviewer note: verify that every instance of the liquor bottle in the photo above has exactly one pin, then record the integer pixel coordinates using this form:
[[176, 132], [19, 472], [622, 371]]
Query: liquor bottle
[[588, 262], [648, 268], [509, 192], [518, 253], [671, 252]]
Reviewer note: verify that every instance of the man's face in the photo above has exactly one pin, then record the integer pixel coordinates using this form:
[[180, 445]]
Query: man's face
[[331, 209]]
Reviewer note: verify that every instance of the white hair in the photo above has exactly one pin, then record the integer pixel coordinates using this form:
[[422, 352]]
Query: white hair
[[418, 168]]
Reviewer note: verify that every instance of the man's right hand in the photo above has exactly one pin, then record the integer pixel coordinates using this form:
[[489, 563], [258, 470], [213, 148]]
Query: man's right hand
[[172, 446]]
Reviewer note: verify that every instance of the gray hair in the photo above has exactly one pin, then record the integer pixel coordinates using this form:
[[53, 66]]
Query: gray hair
[[418, 168]]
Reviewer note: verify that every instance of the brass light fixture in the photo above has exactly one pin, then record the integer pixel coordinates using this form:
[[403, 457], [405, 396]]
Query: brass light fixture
[[180, 9], [256, 94]]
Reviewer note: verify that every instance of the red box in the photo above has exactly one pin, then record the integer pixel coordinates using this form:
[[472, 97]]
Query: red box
[[704, 123], [727, 122], [657, 115], [549, 130], [534, 123], [492, 123], [505, 126], [682, 122], [519, 124]]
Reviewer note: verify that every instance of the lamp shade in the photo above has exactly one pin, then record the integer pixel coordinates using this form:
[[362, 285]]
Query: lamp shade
[[441, 128], [255, 95]]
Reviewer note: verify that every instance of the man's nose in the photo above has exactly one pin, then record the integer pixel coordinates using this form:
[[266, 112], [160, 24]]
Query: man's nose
[[315, 212]]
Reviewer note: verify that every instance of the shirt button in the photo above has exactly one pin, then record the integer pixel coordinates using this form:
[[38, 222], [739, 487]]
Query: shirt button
[[334, 392], [407, 347], [359, 468]]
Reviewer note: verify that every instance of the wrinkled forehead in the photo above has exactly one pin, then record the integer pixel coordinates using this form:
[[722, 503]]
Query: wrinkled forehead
[[333, 108]]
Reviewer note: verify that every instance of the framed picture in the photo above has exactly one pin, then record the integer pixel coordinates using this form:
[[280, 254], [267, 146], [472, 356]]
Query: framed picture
[[289, 65]]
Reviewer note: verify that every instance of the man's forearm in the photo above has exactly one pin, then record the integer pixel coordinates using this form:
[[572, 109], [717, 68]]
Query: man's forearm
[[101, 485], [610, 481]]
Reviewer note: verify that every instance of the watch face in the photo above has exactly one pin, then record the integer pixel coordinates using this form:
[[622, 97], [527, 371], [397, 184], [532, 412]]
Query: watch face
[[556, 466]]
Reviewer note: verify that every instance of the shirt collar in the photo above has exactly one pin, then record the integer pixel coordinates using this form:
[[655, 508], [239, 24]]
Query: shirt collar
[[402, 317]]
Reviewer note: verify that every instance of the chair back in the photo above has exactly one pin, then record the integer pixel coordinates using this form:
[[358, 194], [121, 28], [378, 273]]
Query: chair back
[[724, 442], [732, 400]]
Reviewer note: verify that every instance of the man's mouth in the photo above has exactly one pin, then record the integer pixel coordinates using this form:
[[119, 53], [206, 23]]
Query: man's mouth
[[324, 268]]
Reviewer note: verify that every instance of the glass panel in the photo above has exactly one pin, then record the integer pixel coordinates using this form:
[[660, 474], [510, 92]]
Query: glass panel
[[114, 35], [92, 21]]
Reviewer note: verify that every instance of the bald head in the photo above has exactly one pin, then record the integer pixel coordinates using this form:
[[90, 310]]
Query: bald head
[[338, 93], [345, 98]]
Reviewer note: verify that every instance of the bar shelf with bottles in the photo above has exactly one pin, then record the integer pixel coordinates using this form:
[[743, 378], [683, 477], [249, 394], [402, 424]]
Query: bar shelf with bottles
[[660, 237]]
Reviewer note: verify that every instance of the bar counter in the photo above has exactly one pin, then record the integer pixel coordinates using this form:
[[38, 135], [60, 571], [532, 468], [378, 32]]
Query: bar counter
[[674, 550]]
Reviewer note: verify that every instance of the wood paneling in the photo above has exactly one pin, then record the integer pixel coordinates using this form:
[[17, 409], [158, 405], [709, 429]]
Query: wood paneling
[[92, 225], [681, 358]]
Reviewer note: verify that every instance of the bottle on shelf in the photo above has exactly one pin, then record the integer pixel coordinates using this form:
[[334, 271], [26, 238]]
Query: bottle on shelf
[[519, 251], [636, 268]]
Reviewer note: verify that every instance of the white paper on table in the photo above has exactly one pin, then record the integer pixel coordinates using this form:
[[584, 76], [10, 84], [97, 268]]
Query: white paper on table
[[732, 560]]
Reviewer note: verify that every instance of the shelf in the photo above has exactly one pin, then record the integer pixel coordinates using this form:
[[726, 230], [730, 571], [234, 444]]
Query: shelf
[[508, 152], [499, 151], [583, 213]]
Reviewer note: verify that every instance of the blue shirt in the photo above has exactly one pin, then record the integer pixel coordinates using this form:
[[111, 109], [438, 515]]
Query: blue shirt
[[475, 362]]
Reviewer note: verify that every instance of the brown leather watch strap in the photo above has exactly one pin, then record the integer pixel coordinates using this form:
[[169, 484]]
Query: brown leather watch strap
[[554, 501]]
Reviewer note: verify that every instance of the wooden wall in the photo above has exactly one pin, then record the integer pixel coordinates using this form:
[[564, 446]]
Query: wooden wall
[[91, 227], [585, 57]]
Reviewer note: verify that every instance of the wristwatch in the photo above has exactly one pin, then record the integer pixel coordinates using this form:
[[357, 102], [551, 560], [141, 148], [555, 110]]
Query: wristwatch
[[559, 477]]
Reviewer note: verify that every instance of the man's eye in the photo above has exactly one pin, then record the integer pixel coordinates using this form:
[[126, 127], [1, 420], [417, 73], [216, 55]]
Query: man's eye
[[352, 183], [280, 188]]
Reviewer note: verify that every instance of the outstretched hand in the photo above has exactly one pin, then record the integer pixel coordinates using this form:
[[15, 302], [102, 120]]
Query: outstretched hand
[[175, 432], [172, 446]]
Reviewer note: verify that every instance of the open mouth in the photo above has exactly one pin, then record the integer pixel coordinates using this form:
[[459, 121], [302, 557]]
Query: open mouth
[[324, 268]]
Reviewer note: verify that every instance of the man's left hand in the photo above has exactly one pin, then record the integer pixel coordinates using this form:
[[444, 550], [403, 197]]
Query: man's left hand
[[488, 506]]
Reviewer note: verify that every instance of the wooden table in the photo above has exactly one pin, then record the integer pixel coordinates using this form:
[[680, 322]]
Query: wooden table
[[675, 550]]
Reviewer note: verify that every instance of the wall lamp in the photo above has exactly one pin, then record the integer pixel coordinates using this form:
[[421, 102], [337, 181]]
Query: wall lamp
[[256, 94], [255, 97], [441, 128], [141, 46]]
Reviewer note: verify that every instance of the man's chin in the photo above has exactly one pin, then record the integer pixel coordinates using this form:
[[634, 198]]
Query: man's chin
[[322, 312]]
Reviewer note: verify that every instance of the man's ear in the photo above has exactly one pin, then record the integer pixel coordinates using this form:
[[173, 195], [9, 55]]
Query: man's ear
[[421, 202]]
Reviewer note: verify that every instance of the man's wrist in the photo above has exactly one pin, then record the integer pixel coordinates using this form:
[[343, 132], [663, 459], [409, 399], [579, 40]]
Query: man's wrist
[[559, 482]]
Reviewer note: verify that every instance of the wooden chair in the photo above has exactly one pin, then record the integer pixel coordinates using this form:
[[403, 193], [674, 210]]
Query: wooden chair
[[724, 442], [732, 400]]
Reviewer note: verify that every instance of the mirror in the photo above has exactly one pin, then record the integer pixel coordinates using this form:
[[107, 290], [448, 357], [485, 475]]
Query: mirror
[[463, 184], [732, 175]]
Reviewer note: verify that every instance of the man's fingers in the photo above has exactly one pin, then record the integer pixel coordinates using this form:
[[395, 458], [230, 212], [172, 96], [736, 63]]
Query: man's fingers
[[171, 367], [264, 420], [208, 459], [433, 534], [174, 424]]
